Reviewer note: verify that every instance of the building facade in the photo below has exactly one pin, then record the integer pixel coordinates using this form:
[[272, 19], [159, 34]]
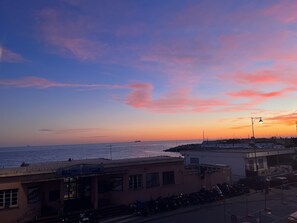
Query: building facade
[[52, 189], [244, 162]]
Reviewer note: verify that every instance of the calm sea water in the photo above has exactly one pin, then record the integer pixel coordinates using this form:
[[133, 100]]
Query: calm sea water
[[14, 156]]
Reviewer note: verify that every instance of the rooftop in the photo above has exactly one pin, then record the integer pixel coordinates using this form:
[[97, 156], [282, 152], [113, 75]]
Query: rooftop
[[52, 167]]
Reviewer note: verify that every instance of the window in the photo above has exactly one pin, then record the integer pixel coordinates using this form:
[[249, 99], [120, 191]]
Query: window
[[54, 195], [33, 195], [168, 178], [70, 188], [194, 160], [251, 165], [152, 180], [117, 184], [261, 163], [103, 186], [8, 198], [75, 188], [135, 182]]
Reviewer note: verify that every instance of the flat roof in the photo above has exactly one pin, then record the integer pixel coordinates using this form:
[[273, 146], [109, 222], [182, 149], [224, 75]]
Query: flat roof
[[233, 150], [52, 167]]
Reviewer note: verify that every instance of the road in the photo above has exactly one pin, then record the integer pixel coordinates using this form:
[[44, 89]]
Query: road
[[254, 207]]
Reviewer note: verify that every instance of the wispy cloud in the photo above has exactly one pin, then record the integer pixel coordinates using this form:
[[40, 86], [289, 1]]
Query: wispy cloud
[[263, 76], [282, 11], [8, 56], [240, 127], [69, 35], [141, 96], [94, 137], [42, 83], [259, 94], [72, 131], [288, 118], [45, 130]]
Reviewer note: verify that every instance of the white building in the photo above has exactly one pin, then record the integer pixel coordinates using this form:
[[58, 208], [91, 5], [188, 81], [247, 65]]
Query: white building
[[244, 161]]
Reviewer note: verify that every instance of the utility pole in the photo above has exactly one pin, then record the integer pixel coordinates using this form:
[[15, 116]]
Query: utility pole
[[254, 142], [110, 152]]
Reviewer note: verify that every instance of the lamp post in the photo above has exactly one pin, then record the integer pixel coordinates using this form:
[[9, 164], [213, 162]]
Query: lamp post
[[260, 121], [253, 139]]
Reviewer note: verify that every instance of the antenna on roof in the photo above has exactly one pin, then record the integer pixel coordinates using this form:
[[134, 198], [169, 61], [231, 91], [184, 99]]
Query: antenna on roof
[[203, 134]]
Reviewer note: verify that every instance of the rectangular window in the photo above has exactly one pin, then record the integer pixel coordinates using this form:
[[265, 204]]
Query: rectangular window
[[194, 160], [261, 163], [152, 180], [251, 165], [103, 186], [33, 195], [135, 182], [117, 184], [8, 198], [168, 178], [54, 195], [70, 188]]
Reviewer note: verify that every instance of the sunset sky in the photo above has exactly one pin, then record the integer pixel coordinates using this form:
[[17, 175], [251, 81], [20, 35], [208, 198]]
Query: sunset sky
[[75, 71]]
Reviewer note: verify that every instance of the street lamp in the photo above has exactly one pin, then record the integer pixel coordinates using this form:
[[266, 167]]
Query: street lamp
[[253, 139], [260, 121]]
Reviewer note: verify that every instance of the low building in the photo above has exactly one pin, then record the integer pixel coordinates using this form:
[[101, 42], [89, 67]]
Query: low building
[[49, 189], [245, 159]]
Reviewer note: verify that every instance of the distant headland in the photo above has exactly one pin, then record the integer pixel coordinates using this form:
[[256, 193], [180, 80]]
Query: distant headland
[[236, 143]]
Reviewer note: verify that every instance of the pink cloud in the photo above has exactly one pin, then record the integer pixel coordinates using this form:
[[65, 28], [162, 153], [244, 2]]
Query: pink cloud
[[284, 11], [141, 96], [245, 48], [9, 56], [278, 76], [258, 94], [262, 76]]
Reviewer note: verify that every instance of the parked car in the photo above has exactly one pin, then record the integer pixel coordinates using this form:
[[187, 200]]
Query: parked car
[[256, 183], [279, 181]]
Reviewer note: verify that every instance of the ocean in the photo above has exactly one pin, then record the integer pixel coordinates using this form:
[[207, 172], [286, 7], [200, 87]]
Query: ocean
[[14, 156]]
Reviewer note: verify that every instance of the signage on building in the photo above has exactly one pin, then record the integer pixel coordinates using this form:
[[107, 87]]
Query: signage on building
[[80, 169]]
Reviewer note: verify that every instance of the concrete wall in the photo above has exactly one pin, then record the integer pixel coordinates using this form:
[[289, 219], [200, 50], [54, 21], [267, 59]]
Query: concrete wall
[[235, 160]]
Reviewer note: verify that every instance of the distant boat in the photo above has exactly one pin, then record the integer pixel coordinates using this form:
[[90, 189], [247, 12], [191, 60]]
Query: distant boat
[[137, 141]]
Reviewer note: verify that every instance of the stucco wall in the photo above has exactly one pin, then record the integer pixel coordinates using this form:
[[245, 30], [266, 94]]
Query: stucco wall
[[235, 160]]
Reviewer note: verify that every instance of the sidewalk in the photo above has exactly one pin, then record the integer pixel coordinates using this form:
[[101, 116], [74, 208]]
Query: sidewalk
[[152, 217], [122, 219]]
